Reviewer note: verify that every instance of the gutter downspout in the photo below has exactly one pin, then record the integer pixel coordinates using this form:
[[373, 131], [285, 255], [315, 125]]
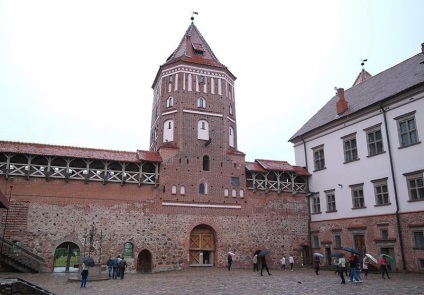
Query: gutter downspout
[[308, 195], [395, 189]]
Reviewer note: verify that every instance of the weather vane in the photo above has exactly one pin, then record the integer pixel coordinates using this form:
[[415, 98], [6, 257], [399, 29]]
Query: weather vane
[[193, 13], [363, 61]]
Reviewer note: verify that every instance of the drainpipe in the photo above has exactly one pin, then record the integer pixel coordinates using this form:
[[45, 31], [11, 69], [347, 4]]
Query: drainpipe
[[392, 170], [308, 195]]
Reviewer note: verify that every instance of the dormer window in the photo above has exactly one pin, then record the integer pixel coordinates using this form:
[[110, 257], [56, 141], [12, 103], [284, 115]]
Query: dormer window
[[198, 48]]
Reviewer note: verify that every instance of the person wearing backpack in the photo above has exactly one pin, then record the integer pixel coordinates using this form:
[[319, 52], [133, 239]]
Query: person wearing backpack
[[122, 266]]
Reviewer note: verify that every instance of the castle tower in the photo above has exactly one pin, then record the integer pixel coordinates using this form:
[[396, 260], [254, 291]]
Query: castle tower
[[194, 125]]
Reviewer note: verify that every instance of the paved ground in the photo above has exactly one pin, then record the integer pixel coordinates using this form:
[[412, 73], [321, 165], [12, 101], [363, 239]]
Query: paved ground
[[220, 281]]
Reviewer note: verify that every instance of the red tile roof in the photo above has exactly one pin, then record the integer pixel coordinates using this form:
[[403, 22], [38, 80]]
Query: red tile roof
[[232, 151], [301, 171], [253, 166], [276, 165], [77, 152]]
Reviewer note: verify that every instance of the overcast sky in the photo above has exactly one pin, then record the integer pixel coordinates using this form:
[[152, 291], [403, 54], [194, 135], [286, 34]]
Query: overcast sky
[[79, 73]]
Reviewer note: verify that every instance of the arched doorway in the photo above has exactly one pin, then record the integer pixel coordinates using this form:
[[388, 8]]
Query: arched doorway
[[202, 246], [144, 262], [67, 257]]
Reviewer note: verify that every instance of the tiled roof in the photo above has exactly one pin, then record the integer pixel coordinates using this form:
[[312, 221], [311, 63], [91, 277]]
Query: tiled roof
[[399, 78], [191, 42], [77, 152], [253, 166], [270, 165], [276, 165], [232, 151]]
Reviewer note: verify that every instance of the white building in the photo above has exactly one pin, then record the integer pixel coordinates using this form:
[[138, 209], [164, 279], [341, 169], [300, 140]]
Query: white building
[[365, 154]]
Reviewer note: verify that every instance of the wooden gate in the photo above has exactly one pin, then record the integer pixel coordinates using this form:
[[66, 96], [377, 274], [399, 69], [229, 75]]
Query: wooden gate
[[202, 247]]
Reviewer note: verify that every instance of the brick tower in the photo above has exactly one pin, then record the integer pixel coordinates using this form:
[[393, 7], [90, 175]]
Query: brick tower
[[194, 125]]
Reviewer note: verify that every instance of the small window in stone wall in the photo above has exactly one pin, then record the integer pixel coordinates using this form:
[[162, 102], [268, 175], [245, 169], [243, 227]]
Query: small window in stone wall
[[182, 190], [226, 192], [233, 193], [174, 190], [241, 193], [128, 250], [384, 234], [315, 240], [235, 181]]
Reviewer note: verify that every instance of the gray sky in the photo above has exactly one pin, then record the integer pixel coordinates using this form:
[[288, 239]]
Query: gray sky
[[79, 73]]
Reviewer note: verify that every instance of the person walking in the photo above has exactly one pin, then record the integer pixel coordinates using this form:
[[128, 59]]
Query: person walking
[[109, 264], [317, 264], [122, 267], [84, 275], [342, 269], [383, 266], [365, 263], [283, 262], [291, 261], [230, 260], [115, 267], [264, 265], [255, 263], [353, 275]]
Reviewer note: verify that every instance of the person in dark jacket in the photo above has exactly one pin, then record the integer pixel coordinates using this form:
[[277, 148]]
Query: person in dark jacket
[[109, 264], [230, 261], [264, 265], [122, 267]]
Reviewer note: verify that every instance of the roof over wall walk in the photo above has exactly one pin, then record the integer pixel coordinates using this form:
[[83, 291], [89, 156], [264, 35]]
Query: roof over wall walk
[[271, 165], [78, 152]]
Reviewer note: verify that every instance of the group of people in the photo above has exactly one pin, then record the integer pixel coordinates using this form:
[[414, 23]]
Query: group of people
[[283, 262], [353, 267], [116, 267]]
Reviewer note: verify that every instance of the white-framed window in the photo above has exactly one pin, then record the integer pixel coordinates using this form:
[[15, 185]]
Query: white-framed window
[[230, 109], [203, 188], [233, 193], [316, 206], [241, 193], [319, 160], [231, 136], [203, 130], [170, 102], [201, 103], [331, 201], [350, 148], [407, 129], [374, 140], [358, 200], [182, 190], [226, 192], [174, 190], [415, 183], [168, 131], [381, 192]]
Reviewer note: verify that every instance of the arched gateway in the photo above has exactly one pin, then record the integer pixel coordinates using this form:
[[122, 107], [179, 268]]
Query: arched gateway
[[202, 246], [144, 262]]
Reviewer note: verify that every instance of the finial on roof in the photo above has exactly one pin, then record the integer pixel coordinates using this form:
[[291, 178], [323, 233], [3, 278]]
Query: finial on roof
[[363, 61]]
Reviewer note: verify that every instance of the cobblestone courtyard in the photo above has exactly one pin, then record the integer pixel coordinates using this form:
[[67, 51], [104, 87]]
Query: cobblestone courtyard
[[219, 281]]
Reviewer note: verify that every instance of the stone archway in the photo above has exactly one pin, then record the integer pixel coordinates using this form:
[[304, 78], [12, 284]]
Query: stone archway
[[202, 246], [67, 257], [144, 262]]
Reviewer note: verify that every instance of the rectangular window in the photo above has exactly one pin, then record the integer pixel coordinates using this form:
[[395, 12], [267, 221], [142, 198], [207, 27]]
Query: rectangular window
[[235, 181], [381, 193], [375, 142], [350, 149], [418, 239], [337, 241], [407, 129], [384, 234], [315, 241], [358, 200], [331, 201], [416, 187], [319, 161], [316, 207]]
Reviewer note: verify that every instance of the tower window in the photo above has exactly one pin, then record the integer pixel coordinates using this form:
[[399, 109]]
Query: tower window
[[170, 102], [201, 103], [205, 163]]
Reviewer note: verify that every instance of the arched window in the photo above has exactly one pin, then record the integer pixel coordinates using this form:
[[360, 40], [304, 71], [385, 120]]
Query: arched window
[[233, 192], [170, 102], [174, 190], [230, 109], [201, 103], [226, 192], [205, 163], [241, 193], [203, 130], [203, 188], [231, 136], [128, 250], [182, 190], [168, 131]]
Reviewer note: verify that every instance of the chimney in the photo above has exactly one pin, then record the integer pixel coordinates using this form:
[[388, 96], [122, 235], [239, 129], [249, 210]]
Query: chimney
[[422, 48], [342, 103]]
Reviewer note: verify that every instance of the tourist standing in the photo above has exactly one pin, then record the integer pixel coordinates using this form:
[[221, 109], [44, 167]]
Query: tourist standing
[[283, 262], [230, 260], [383, 266], [365, 262], [84, 275], [122, 267], [109, 265], [255, 263], [342, 269], [291, 261]]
